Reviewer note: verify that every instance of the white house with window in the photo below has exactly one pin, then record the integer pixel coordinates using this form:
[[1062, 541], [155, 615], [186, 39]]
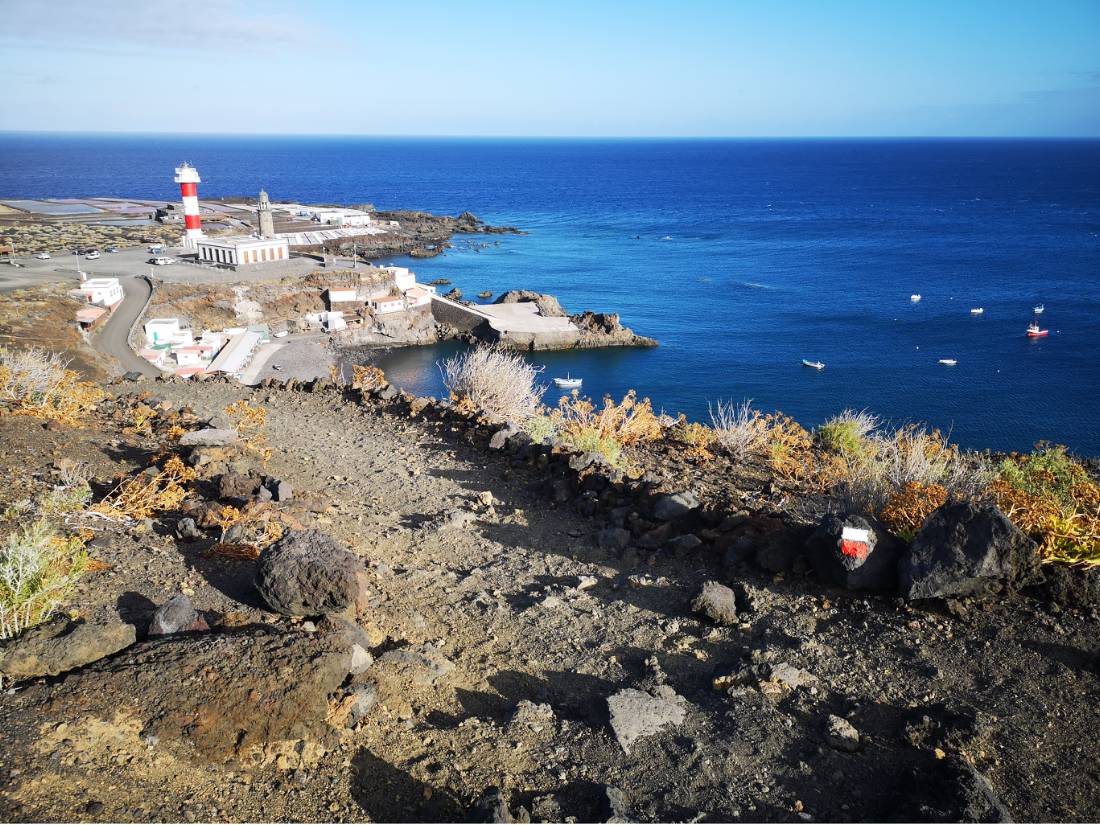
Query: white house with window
[[388, 303], [104, 292], [237, 251], [161, 332]]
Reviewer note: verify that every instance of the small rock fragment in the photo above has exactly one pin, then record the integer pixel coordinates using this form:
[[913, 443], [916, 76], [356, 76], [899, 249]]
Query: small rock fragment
[[176, 616], [209, 438], [635, 713], [841, 734], [187, 530], [717, 602]]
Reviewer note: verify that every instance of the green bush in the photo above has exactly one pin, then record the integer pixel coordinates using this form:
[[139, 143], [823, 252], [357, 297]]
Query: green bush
[[588, 440], [847, 433], [1048, 473], [38, 568], [540, 427]]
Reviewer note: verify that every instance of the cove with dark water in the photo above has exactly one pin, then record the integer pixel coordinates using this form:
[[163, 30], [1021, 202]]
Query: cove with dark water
[[741, 257]]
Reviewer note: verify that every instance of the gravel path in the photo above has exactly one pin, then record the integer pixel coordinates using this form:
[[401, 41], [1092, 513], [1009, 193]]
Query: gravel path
[[503, 628]]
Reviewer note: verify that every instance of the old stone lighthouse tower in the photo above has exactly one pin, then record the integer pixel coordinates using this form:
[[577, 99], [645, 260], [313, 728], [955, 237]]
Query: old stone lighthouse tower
[[267, 223]]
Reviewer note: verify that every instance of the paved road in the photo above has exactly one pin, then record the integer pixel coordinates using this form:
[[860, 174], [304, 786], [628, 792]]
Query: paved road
[[114, 338]]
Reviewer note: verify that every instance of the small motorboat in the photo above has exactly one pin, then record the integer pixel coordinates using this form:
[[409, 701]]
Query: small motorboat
[[915, 297], [1033, 331], [948, 362], [977, 310], [568, 383], [1038, 309], [817, 365]]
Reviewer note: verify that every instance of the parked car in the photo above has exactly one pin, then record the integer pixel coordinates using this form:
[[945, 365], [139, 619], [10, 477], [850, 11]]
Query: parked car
[[92, 254], [112, 249], [43, 256], [161, 260], [157, 247], [280, 334]]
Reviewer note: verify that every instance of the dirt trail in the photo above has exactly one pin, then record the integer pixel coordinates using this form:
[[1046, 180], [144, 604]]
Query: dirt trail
[[508, 652]]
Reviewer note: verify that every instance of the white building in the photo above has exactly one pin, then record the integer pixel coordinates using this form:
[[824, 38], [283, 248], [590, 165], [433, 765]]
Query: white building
[[242, 250], [236, 354], [401, 276], [193, 355], [418, 296], [341, 295], [342, 217], [106, 292], [334, 321], [166, 331], [388, 303]]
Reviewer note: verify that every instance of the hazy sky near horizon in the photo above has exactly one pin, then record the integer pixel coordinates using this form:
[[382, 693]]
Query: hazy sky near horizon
[[568, 68]]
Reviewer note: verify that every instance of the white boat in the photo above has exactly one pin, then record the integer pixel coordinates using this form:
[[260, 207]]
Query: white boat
[[977, 310], [1038, 309], [568, 383], [817, 365], [914, 297], [948, 362]]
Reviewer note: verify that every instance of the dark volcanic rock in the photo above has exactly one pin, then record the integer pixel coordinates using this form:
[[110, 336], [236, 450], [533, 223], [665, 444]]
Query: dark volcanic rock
[[308, 573], [254, 695], [877, 570], [176, 616], [237, 485], [607, 329], [548, 305], [964, 550], [60, 645], [674, 506]]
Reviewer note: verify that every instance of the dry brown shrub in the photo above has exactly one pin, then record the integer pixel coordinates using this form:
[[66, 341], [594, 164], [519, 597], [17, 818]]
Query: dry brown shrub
[[239, 551], [699, 438], [906, 510], [628, 422], [37, 383], [367, 378], [249, 423], [146, 494], [789, 447]]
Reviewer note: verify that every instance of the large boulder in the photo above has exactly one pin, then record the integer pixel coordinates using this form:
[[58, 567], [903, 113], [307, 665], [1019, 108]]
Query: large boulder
[[308, 573], [965, 549], [854, 563], [60, 645]]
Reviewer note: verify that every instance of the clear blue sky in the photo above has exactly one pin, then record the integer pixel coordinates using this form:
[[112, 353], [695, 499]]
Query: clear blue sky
[[637, 68]]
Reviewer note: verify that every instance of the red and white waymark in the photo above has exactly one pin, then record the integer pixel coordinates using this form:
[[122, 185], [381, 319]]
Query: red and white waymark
[[855, 542]]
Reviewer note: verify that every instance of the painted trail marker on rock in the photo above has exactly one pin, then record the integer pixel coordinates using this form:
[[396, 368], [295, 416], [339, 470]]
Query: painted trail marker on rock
[[855, 543]]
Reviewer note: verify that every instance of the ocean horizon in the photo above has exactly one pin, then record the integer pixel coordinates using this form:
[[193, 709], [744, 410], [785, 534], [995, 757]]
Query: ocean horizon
[[741, 256]]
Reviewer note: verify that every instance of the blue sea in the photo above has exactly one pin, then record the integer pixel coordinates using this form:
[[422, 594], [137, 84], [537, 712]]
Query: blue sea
[[741, 257]]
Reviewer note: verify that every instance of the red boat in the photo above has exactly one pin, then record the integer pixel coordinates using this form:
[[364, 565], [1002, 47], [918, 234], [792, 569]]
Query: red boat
[[1033, 331]]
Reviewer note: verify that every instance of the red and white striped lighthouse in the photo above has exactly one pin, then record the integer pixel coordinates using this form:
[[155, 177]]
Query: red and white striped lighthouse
[[187, 176]]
